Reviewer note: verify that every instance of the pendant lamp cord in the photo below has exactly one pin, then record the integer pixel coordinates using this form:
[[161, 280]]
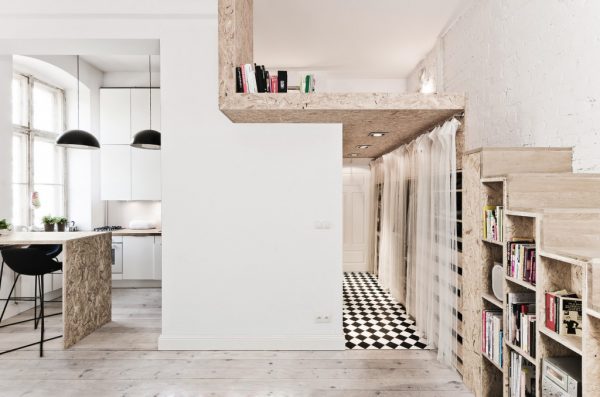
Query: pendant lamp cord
[[78, 83], [150, 85]]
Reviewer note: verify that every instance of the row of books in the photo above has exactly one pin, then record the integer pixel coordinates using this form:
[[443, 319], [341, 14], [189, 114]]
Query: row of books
[[492, 222], [564, 313], [521, 313], [521, 260], [492, 335], [255, 78], [521, 377]]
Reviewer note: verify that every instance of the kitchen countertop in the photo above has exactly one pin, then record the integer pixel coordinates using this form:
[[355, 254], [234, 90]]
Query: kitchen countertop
[[44, 237], [137, 232]]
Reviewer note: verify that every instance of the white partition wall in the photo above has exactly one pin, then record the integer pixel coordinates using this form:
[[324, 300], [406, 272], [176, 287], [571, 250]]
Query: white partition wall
[[244, 266]]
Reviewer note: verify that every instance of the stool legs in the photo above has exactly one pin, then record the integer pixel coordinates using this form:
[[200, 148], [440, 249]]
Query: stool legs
[[9, 295], [42, 316]]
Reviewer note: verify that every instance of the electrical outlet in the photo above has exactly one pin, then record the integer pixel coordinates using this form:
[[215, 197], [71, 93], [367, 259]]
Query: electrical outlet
[[323, 318]]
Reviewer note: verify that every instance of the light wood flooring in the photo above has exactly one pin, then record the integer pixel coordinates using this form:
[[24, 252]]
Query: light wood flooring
[[121, 359]]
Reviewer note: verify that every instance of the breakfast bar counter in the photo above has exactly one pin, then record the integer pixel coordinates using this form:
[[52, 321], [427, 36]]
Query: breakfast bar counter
[[86, 293]]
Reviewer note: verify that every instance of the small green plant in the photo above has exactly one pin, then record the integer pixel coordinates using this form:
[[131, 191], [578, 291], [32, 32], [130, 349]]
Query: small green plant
[[48, 220], [4, 225], [60, 220]]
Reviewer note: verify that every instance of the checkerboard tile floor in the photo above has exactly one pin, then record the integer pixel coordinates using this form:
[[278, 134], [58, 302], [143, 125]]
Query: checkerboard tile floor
[[373, 319]]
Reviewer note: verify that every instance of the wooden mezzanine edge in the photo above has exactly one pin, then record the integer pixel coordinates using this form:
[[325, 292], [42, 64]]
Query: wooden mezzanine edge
[[404, 116]]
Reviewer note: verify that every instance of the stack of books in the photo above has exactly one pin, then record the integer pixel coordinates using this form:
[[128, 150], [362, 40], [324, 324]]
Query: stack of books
[[492, 222], [492, 335], [521, 377], [564, 313], [521, 260], [255, 78], [521, 321]]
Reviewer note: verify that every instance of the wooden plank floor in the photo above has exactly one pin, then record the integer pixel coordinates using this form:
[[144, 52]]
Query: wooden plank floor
[[121, 359]]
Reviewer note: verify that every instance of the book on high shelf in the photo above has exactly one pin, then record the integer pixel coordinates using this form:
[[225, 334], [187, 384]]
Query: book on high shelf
[[239, 82], [554, 302], [282, 78], [570, 316], [521, 260], [274, 86], [492, 222]]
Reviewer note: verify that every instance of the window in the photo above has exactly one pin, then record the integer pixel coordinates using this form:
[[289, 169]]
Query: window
[[38, 113]]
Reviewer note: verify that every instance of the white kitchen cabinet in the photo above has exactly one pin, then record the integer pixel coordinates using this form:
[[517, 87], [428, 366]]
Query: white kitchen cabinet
[[140, 109], [128, 173], [115, 116], [115, 172], [145, 174], [138, 257], [157, 257]]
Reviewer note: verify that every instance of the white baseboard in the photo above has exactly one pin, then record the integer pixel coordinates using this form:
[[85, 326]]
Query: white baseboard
[[317, 342]]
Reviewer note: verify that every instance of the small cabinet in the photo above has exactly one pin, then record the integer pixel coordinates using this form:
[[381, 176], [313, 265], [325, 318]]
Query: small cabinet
[[140, 109], [115, 172], [115, 116], [145, 174], [138, 258]]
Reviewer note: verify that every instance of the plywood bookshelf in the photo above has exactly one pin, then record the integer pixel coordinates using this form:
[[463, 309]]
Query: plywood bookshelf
[[404, 116], [567, 238]]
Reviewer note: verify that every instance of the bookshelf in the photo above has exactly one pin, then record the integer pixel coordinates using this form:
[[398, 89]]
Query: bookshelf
[[565, 229]]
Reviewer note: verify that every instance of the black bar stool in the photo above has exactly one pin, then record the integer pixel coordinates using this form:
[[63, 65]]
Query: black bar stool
[[30, 262]]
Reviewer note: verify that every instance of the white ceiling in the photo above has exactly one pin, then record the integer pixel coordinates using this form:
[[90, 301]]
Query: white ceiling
[[122, 63], [367, 38]]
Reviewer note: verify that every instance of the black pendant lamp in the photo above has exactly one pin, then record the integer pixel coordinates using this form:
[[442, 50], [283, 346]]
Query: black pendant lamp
[[147, 139], [78, 139]]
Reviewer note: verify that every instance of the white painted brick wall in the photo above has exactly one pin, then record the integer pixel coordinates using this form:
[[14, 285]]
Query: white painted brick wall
[[531, 73]]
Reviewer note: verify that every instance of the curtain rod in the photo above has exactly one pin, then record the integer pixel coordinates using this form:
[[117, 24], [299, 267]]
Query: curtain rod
[[460, 115]]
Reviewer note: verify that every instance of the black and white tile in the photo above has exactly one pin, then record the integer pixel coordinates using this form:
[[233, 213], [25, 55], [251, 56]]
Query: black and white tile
[[373, 319]]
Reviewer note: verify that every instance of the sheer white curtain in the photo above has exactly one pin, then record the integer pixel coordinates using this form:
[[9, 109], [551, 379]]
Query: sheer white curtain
[[417, 239]]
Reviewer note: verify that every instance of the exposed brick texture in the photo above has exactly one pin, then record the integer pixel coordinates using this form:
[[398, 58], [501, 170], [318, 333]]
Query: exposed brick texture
[[531, 73]]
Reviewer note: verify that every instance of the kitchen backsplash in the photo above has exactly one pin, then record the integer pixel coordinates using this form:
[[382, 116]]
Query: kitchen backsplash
[[120, 213]]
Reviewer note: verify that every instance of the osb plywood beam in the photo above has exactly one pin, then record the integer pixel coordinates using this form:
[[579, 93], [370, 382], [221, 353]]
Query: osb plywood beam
[[235, 42], [402, 116]]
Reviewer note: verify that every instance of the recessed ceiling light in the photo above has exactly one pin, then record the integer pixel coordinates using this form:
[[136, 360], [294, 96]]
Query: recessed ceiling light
[[353, 155], [363, 146], [377, 134]]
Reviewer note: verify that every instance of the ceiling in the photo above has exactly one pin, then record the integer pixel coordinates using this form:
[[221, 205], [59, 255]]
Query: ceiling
[[122, 63], [372, 39]]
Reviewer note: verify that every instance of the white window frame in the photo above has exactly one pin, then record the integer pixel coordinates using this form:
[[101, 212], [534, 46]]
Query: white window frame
[[31, 133]]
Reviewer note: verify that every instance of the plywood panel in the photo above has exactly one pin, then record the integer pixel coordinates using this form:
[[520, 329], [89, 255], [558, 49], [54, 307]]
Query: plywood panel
[[503, 161], [539, 191]]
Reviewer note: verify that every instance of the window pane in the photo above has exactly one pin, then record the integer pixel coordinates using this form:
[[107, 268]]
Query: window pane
[[20, 206], [47, 108], [19, 158], [19, 100], [47, 161], [51, 200]]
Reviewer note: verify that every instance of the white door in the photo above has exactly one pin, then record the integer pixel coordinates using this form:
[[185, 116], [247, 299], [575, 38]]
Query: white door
[[115, 116], [356, 195], [145, 174], [115, 172], [138, 258]]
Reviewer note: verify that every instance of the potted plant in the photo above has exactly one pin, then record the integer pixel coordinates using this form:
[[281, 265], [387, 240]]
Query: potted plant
[[4, 226], [48, 222], [60, 221]]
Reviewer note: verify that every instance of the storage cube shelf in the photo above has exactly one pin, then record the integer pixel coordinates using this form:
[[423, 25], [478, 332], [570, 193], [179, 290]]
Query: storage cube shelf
[[563, 238]]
